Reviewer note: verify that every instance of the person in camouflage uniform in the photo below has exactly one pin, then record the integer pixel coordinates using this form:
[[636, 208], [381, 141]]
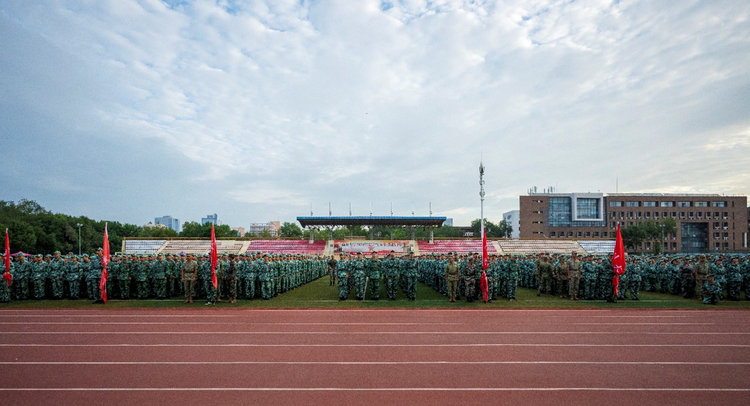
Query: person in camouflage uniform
[[139, 269], [4, 286], [38, 276], [56, 274], [711, 291], [342, 274], [188, 276], [470, 280], [544, 274], [512, 281], [734, 279], [373, 273], [21, 279], [123, 278], [159, 273], [265, 278], [390, 274], [702, 270]]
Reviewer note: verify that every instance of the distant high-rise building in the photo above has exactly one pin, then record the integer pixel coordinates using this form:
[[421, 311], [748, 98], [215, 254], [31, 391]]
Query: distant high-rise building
[[272, 226], [513, 219], [448, 223], [240, 231], [169, 222], [211, 218]]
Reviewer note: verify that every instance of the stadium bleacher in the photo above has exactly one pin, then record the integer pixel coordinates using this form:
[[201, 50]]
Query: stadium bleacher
[[457, 246], [540, 246], [598, 247], [288, 246], [201, 247], [143, 246]]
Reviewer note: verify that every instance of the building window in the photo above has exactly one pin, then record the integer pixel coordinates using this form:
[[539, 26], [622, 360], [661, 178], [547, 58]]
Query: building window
[[578, 234], [537, 212], [673, 214], [647, 214], [551, 233], [596, 233], [666, 204], [587, 208], [604, 233], [633, 204], [649, 204], [559, 211], [718, 204], [536, 201], [701, 204], [683, 204], [615, 204]]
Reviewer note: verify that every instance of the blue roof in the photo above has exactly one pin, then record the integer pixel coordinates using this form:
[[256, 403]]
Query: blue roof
[[327, 221]]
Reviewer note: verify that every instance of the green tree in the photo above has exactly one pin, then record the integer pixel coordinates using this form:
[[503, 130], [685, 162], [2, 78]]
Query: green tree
[[633, 236], [290, 230]]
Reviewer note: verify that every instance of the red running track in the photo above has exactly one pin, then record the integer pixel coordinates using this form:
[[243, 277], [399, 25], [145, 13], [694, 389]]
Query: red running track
[[352, 356]]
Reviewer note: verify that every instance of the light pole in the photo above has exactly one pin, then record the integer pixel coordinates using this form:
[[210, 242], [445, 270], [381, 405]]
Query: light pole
[[663, 248], [79, 238]]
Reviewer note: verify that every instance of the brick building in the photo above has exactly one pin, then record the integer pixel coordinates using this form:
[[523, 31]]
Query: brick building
[[711, 223]]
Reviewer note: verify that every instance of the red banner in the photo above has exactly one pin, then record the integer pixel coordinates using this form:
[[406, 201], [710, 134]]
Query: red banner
[[105, 261], [6, 275], [618, 260], [484, 250], [214, 256]]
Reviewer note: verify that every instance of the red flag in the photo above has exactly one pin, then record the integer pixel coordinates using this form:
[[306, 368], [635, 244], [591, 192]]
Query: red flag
[[105, 261], [484, 249], [484, 286], [618, 260], [214, 256], [6, 275]]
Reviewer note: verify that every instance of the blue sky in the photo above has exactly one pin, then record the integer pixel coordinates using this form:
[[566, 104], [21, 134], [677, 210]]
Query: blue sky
[[127, 110]]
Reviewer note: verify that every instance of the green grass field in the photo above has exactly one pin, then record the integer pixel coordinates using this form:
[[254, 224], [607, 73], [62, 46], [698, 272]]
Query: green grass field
[[318, 294]]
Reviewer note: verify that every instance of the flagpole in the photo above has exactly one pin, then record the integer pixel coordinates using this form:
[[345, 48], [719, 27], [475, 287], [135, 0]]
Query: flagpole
[[481, 204]]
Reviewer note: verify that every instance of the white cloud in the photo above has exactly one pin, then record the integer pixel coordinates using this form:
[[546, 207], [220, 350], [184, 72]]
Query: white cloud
[[396, 100]]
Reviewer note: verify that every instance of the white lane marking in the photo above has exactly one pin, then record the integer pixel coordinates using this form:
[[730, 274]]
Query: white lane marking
[[372, 332], [679, 363], [418, 389], [386, 345], [187, 323]]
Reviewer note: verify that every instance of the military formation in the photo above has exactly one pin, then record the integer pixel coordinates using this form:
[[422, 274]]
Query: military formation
[[159, 276], [710, 278], [590, 277], [354, 272]]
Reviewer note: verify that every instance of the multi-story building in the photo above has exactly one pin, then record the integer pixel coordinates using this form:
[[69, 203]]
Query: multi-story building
[[709, 222], [240, 231], [272, 226], [211, 218], [169, 222], [513, 219]]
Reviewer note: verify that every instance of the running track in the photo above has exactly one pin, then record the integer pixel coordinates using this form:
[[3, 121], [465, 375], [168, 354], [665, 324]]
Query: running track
[[382, 356]]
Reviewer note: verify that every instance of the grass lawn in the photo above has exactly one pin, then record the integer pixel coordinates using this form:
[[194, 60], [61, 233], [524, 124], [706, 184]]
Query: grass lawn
[[318, 294]]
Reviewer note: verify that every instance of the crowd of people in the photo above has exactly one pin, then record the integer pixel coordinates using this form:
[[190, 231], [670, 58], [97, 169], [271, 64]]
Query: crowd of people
[[160, 276], [710, 278]]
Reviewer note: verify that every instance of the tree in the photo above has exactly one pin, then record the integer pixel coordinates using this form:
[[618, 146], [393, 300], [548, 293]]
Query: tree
[[290, 230], [499, 230], [633, 236]]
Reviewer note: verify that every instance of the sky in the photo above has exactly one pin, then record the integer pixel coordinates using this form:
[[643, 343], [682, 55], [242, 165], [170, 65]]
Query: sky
[[126, 110]]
